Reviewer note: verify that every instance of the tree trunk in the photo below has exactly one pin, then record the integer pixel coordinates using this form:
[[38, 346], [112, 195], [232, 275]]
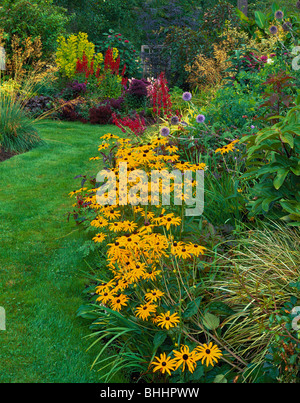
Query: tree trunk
[[243, 6]]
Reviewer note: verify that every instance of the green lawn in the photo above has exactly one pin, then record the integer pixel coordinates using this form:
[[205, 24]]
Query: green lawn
[[41, 278]]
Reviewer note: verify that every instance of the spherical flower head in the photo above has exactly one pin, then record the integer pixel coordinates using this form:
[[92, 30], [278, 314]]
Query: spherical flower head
[[273, 30], [252, 127], [174, 120], [286, 26], [279, 15], [186, 96], [200, 119], [164, 131]]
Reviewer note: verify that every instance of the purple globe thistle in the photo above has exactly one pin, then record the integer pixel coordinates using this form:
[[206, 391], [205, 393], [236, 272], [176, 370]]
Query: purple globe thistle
[[200, 119], [286, 26], [187, 96], [174, 120], [165, 131], [273, 29], [279, 15]]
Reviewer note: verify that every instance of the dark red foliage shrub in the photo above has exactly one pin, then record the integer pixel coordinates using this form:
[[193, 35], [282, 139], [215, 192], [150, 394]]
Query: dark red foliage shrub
[[138, 88], [116, 103], [100, 115], [68, 112]]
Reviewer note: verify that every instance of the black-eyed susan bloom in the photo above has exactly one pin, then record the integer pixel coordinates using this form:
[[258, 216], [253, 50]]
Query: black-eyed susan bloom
[[118, 302], [168, 320], [171, 220], [195, 249], [151, 274], [105, 286], [129, 226], [153, 295], [164, 364], [144, 311], [209, 353], [98, 238], [109, 136], [186, 358], [99, 222], [182, 252], [111, 213], [116, 226], [103, 146], [106, 296]]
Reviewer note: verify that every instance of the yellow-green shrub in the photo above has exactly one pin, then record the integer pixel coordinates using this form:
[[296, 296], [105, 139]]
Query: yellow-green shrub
[[70, 50]]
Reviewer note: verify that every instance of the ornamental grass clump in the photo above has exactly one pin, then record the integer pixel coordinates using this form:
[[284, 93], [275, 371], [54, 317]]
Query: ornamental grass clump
[[17, 131], [259, 280]]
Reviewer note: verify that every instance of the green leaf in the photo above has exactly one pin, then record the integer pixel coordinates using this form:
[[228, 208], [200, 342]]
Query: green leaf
[[266, 202], [211, 321], [260, 19], [287, 138], [198, 373], [220, 379], [296, 170], [242, 16], [87, 312], [275, 7], [159, 338], [280, 177], [220, 308], [192, 308]]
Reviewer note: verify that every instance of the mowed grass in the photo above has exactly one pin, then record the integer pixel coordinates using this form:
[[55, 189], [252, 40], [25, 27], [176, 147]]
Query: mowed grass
[[41, 267]]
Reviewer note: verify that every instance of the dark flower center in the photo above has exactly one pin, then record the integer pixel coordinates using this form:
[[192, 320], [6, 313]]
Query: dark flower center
[[207, 351], [185, 357]]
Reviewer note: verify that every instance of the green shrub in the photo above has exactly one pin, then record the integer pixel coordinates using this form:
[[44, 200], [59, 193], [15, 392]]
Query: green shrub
[[34, 19], [273, 163]]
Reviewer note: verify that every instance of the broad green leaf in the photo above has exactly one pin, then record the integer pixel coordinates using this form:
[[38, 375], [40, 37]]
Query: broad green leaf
[[242, 16], [220, 379], [275, 7], [266, 202], [159, 338], [211, 321], [296, 170], [280, 177], [220, 308], [287, 138], [192, 308], [260, 19]]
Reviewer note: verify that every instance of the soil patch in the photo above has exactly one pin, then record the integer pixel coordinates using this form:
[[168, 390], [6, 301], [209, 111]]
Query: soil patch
[[5, 155]]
